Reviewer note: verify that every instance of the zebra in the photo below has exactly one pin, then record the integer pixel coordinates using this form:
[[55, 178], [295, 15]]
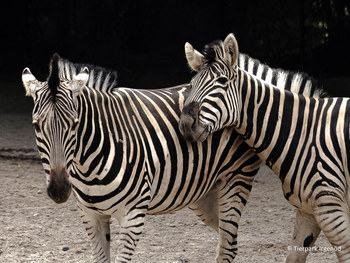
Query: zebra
[[304, 140], [121, 153]]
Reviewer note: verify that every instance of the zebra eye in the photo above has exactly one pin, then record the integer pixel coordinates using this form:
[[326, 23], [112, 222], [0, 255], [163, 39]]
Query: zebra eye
[[36, 127], [75, 124], [222, 80]]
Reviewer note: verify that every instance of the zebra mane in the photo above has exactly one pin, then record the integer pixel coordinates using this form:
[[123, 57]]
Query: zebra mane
[[100, 78], [296, 82], [213, 51], [53, 80]]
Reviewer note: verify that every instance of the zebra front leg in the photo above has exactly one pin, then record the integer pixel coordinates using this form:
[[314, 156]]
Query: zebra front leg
[[231, 201], [131, 227], [131, 220], [332, 216], [306, 231], [98, 229], [206, 209]]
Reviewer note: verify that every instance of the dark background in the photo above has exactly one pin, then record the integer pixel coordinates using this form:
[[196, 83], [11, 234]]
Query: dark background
[[144, 40]]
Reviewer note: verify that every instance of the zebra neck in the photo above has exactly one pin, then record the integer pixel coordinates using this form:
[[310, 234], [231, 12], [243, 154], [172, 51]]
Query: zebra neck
[[99, 137], [269, 118]]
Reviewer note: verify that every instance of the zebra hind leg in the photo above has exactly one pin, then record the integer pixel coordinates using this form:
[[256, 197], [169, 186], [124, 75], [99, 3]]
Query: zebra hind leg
[[231, 201], [206, 209], [332, 215], [98, 229], [306, 231]]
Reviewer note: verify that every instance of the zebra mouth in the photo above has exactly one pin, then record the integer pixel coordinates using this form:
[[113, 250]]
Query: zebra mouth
[[201, 134]]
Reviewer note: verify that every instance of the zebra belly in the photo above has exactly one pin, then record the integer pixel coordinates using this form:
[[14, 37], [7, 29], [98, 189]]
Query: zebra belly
[[304, 189], [170, 204], [220, 158], [103, 201], [187, 172]]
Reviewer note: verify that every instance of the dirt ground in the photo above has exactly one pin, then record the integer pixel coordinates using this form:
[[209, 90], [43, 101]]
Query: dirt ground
[[35, 229]]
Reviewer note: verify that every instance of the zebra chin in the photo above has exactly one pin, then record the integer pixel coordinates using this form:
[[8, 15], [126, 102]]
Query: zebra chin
[[200, 135], [59, 187]]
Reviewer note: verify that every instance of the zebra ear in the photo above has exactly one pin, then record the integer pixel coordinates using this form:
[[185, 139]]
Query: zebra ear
[[195, 59], [31, 84], [231, 49], [79, 81]]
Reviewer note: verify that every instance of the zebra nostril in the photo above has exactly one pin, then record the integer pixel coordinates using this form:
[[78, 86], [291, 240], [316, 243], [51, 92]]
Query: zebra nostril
[[194, 125], [190, 116], [193, 116]]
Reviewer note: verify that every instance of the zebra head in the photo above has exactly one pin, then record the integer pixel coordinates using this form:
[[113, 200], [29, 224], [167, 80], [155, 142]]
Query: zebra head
[[209, 104], [55, 120]]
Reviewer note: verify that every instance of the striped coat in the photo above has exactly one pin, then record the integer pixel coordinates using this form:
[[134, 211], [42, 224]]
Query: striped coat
[[121, 152], [304, 140], [123, 155]]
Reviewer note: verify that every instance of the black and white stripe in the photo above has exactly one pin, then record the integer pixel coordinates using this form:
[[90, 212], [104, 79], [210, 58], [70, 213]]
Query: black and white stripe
[[125, 157], [304, 140]]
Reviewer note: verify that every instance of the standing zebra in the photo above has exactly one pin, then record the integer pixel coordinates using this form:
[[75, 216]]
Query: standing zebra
[[121, 151], [305, 141]]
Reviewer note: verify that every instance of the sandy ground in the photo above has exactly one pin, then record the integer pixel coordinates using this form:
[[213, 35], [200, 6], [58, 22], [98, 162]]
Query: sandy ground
[[35, 229]]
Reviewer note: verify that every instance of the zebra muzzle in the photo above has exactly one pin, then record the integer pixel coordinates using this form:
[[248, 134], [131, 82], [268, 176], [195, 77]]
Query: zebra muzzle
[[190, 126], [59, 187]]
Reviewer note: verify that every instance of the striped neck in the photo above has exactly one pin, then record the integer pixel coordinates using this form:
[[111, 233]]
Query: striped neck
[[97, 145], [269, 117]]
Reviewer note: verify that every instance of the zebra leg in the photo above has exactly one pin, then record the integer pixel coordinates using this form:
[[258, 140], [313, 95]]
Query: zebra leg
[[98, 229], [231, 201], [131, 218], [206, 209], [306, 231], [332, 215], [131, 227]]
